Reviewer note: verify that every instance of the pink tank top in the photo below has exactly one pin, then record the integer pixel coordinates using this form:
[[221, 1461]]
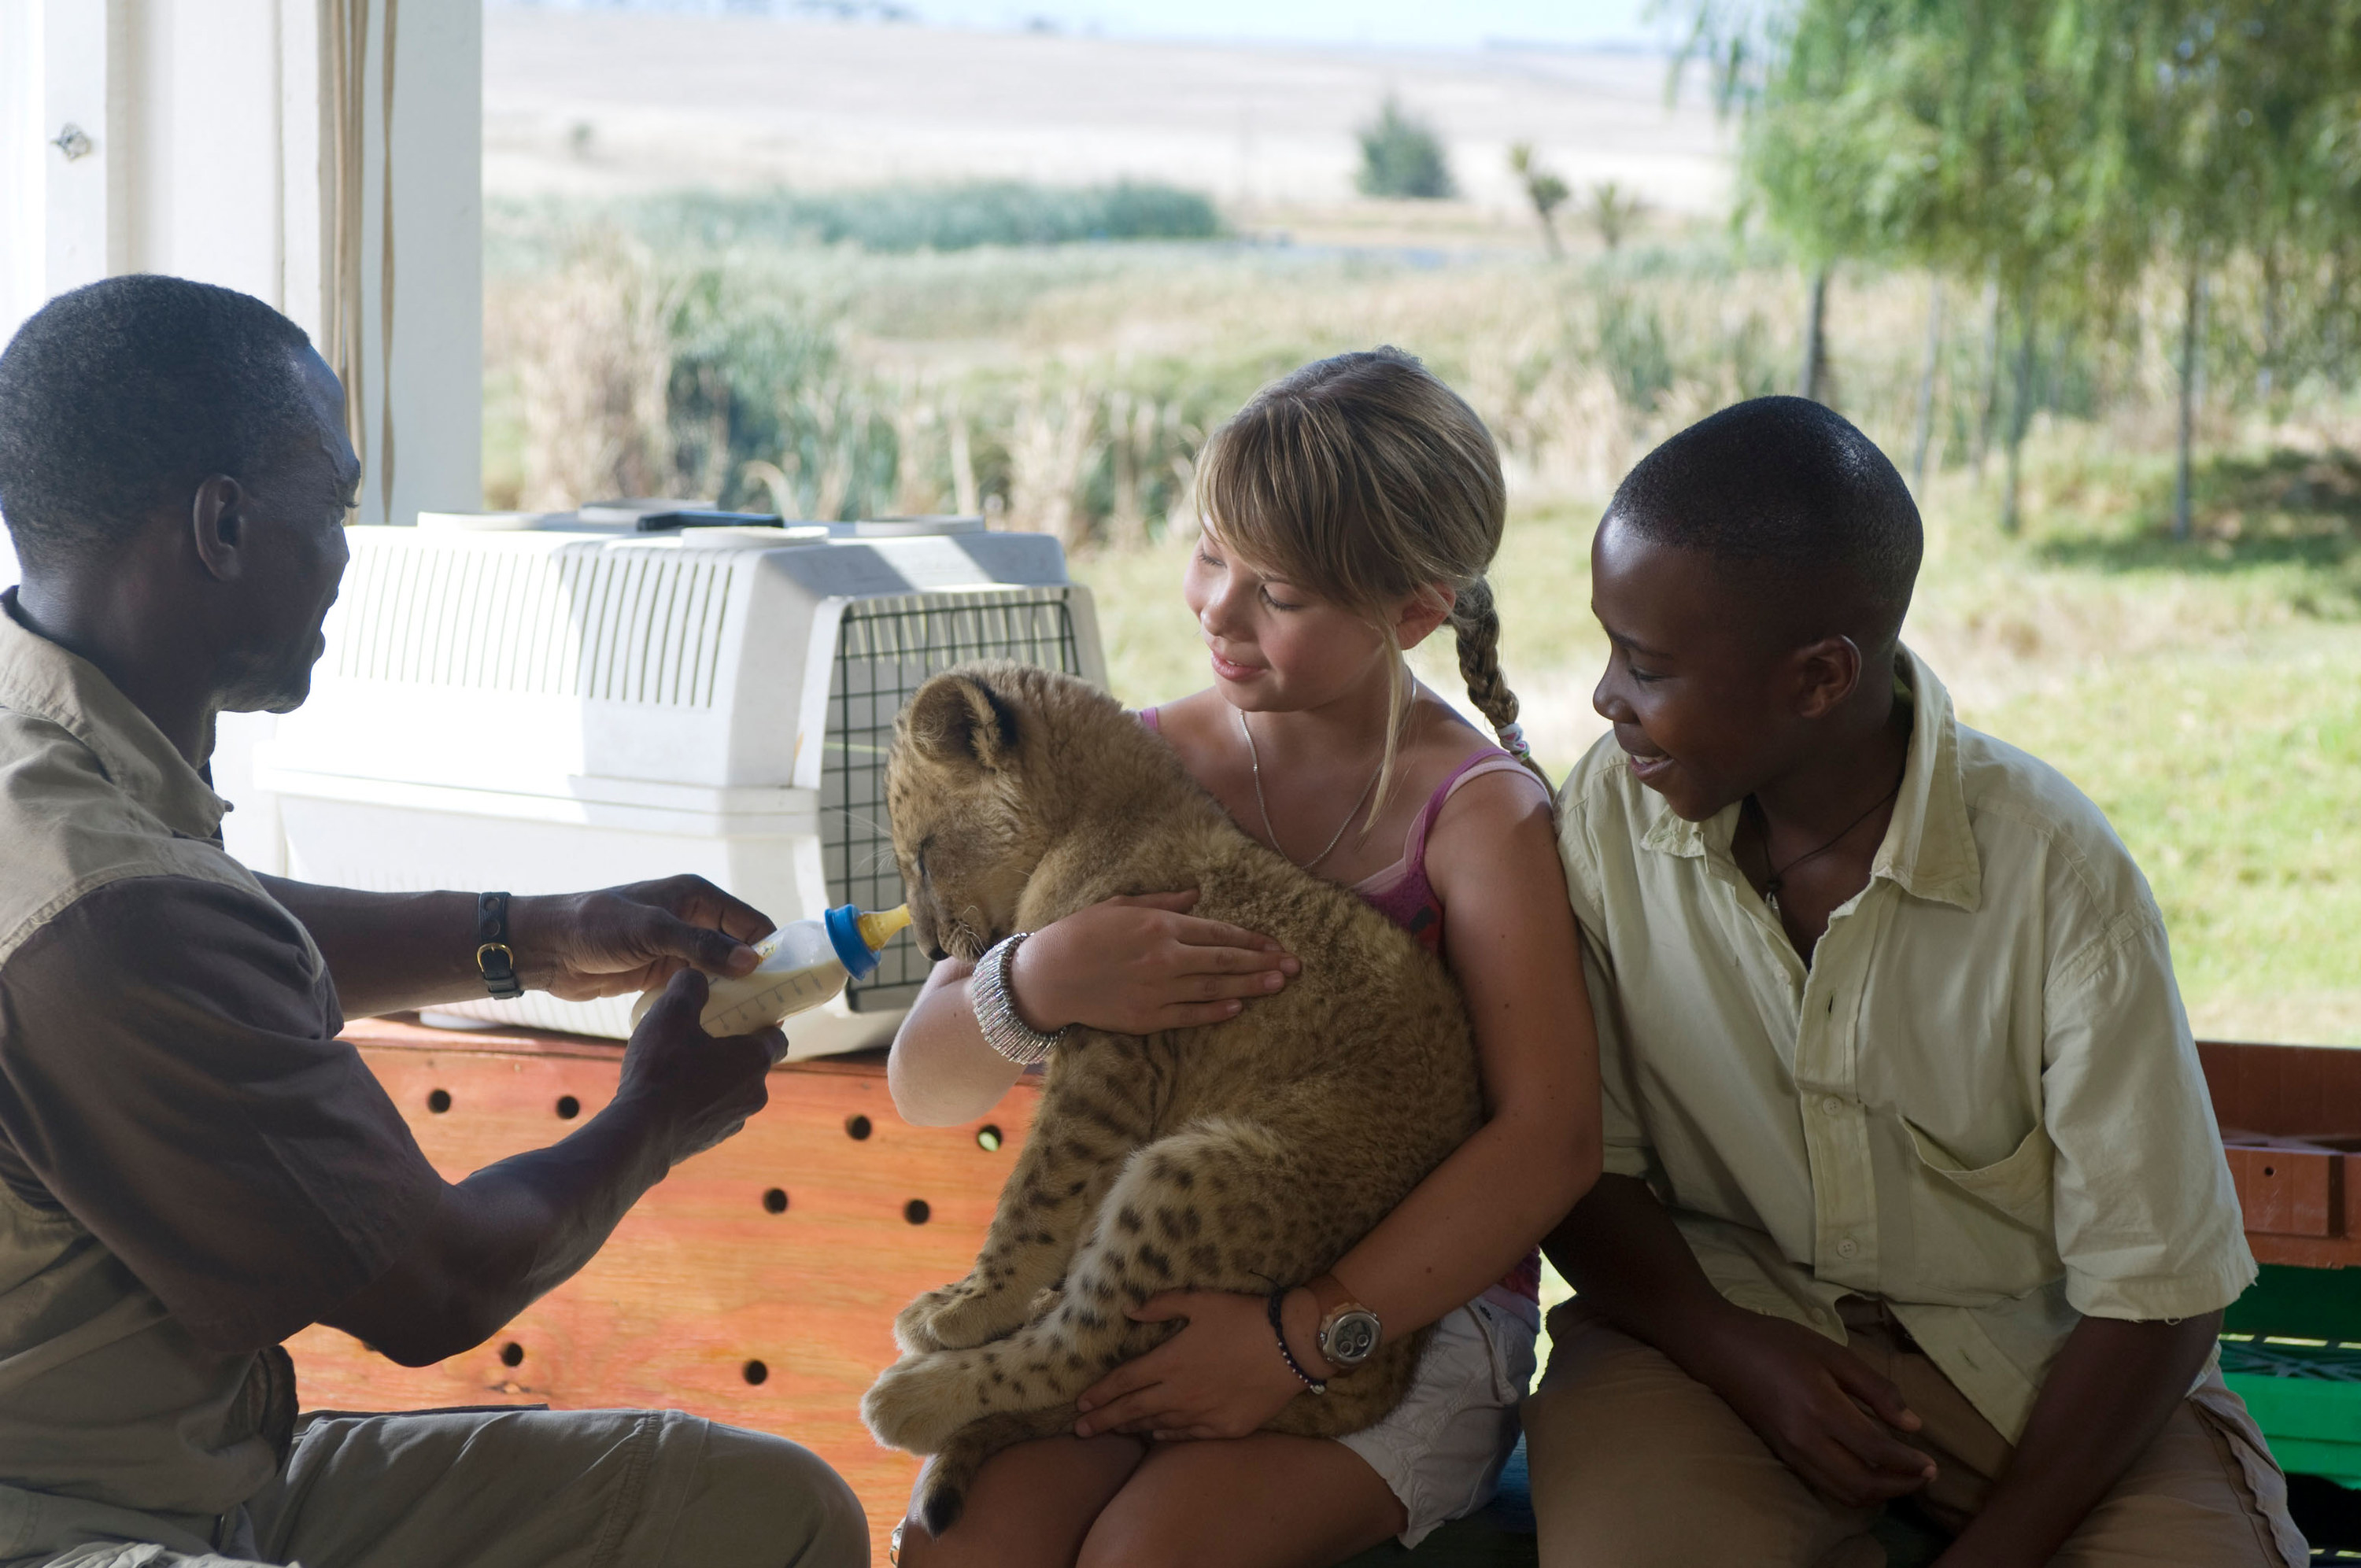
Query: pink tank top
[[1403, 895]]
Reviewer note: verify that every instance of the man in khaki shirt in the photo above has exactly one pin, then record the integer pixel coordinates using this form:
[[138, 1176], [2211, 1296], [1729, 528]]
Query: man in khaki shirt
[[192, 1166], [1914, 1190]]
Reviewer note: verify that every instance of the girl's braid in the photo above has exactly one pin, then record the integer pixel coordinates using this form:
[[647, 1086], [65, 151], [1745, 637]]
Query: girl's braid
[[1477, 622]]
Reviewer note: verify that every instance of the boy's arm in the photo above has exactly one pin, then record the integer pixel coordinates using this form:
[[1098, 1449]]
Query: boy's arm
[[2112, 1389], [1818, 1405]]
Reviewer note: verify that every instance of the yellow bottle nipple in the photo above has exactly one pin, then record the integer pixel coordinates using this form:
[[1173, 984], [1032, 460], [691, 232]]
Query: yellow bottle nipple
[[878, 929]]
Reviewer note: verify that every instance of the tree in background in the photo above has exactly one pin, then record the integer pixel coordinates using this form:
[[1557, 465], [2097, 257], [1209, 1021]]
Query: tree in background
[[2225, 139], [1403, 156], [1613, 211], [2052, 151], [1544, 189]]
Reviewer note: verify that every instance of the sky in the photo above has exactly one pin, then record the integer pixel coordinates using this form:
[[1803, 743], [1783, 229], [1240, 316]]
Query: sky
[[1407, 24], [1448, 24]]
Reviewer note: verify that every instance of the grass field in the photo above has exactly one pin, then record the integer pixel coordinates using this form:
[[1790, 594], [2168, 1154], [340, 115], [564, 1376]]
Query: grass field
[[2210, 701], [2206, 692]]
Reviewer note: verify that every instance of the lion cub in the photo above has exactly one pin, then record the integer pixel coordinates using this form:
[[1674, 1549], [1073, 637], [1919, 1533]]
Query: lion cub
[[1240, 1156]]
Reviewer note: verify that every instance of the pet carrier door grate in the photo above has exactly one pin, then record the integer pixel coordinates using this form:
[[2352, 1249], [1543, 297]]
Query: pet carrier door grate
[[887, 649]]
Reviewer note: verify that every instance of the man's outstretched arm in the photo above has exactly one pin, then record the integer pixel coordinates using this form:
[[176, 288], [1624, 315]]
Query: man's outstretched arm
[[390, 952], [505, 1236]]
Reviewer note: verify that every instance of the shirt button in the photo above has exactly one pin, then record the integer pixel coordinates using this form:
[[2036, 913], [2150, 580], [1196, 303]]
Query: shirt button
[[1847, 1247], [1832, 1104]]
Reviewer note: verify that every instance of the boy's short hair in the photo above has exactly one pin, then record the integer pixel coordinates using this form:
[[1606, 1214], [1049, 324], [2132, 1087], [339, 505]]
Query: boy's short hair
[[1784, 488], [113, 394]]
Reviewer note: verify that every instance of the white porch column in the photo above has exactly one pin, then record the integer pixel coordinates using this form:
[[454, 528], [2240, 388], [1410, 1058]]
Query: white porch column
[[203, 153], [205, 150]]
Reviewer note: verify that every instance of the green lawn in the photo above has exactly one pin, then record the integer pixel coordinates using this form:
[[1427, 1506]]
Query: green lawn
[[2207, 695]]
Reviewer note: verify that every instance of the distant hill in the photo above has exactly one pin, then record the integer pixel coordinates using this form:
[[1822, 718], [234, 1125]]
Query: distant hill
[[592, 103]]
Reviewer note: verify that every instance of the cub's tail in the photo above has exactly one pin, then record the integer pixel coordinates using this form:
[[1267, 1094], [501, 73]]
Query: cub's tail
[[951, 1472]]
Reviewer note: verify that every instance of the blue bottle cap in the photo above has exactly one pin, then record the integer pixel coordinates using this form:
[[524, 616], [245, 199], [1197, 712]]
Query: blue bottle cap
[[844, 934]]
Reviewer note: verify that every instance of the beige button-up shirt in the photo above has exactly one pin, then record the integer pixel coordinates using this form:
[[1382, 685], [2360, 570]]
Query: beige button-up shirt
[[1980, 1103]]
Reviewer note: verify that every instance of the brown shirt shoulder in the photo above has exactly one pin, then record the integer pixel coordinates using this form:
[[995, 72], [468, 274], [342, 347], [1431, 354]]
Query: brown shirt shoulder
[[171, 1077]]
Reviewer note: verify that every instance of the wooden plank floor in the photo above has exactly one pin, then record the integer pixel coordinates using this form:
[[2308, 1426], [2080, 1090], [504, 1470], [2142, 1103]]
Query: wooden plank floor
[[757, 1286]]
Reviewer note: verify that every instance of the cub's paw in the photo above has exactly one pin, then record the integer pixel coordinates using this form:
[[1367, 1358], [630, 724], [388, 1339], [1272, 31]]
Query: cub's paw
[[956, 1317], [917, 1403]]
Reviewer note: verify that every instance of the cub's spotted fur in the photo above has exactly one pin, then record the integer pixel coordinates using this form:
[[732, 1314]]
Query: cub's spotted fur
[[1235, 1157]]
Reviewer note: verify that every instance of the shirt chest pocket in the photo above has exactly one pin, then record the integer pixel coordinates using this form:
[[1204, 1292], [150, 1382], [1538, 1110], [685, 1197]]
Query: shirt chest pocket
[[1983, 1230]]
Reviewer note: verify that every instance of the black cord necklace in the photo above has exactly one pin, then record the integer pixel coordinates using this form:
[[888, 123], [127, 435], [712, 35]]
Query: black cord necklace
[[1777, 878]]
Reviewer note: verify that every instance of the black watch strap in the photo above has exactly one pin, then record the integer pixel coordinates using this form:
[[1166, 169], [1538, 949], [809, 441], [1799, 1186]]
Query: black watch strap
[[494, 960]]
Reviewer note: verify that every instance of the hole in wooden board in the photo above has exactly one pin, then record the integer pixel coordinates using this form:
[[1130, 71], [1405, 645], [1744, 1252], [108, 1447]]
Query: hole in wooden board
[[987, 1139], [775, 1199], [916, 1212], [512, 1354], [756, 1373], [856, 1127], [568, 1107], [439, 1100], [2268, 1171]]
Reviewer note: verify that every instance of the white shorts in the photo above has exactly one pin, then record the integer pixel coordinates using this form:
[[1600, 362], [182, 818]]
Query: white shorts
[[1441, 1449]]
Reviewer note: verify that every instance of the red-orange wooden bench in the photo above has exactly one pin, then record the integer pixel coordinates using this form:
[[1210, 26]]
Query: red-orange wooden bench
[[758, 1285]]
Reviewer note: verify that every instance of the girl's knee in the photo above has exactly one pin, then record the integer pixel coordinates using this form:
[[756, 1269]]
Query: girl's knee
[[1138, 1537]]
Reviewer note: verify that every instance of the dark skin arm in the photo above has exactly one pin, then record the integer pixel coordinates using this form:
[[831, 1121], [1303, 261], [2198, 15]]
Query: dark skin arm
[[2112, 1389], [513, 1232], [1820, 1408], [1835, 1422], [390, 952]]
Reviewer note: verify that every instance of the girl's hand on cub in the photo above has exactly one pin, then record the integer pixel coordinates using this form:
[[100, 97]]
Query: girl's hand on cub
[[1220, 1376], [1136, 965]]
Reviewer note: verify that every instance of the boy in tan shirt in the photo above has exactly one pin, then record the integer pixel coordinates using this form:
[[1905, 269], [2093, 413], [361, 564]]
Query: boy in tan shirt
[[1915, 1195]]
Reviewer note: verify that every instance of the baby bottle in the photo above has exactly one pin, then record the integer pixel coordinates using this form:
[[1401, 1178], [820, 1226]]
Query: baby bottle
[[804, 964]]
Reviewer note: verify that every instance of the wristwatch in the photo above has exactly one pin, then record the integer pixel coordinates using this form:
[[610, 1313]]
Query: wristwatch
[[1349, 1333], [495, 959]]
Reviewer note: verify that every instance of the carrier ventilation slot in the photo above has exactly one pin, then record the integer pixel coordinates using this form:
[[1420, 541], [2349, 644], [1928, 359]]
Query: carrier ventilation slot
[[632, 627], [887, 649]]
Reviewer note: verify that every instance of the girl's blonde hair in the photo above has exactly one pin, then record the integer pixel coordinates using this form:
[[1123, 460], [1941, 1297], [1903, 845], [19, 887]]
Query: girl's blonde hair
[[1363, 479]]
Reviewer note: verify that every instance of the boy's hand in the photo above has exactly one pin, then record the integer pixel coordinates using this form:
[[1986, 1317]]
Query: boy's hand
[[1133, 966], [1819, 1407]]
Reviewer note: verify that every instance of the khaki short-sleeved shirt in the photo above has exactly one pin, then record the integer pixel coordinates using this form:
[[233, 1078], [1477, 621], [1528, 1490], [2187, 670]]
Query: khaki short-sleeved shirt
[[1981, 1101], [191, 1164]]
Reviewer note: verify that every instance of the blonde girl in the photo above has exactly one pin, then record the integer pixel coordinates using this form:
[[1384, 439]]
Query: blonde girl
[[1349, 513]]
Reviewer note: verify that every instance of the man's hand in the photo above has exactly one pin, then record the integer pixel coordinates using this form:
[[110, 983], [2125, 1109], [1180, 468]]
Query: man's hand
[[1818, 1405], [496, 1241], [1133, 966], [698, 1090], [582, 945]]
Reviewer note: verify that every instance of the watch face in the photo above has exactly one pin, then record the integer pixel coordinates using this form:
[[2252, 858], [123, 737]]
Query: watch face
[[1349, 1337]]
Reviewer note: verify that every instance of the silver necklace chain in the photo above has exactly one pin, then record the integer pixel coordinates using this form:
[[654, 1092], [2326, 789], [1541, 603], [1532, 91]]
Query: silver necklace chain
[[1254, 760]]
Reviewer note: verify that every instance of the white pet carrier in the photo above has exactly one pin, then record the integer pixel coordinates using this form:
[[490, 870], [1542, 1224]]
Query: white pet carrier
[[550, 709]]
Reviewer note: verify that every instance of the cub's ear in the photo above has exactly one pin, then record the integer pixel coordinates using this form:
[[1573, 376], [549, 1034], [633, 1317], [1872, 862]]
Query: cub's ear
[[958, 718]]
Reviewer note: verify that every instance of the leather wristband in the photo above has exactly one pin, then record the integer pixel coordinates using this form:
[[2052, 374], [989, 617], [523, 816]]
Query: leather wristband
[[495, 960]]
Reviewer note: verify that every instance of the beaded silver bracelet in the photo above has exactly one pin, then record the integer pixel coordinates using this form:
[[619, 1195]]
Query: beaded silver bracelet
[[1004, 1029]]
